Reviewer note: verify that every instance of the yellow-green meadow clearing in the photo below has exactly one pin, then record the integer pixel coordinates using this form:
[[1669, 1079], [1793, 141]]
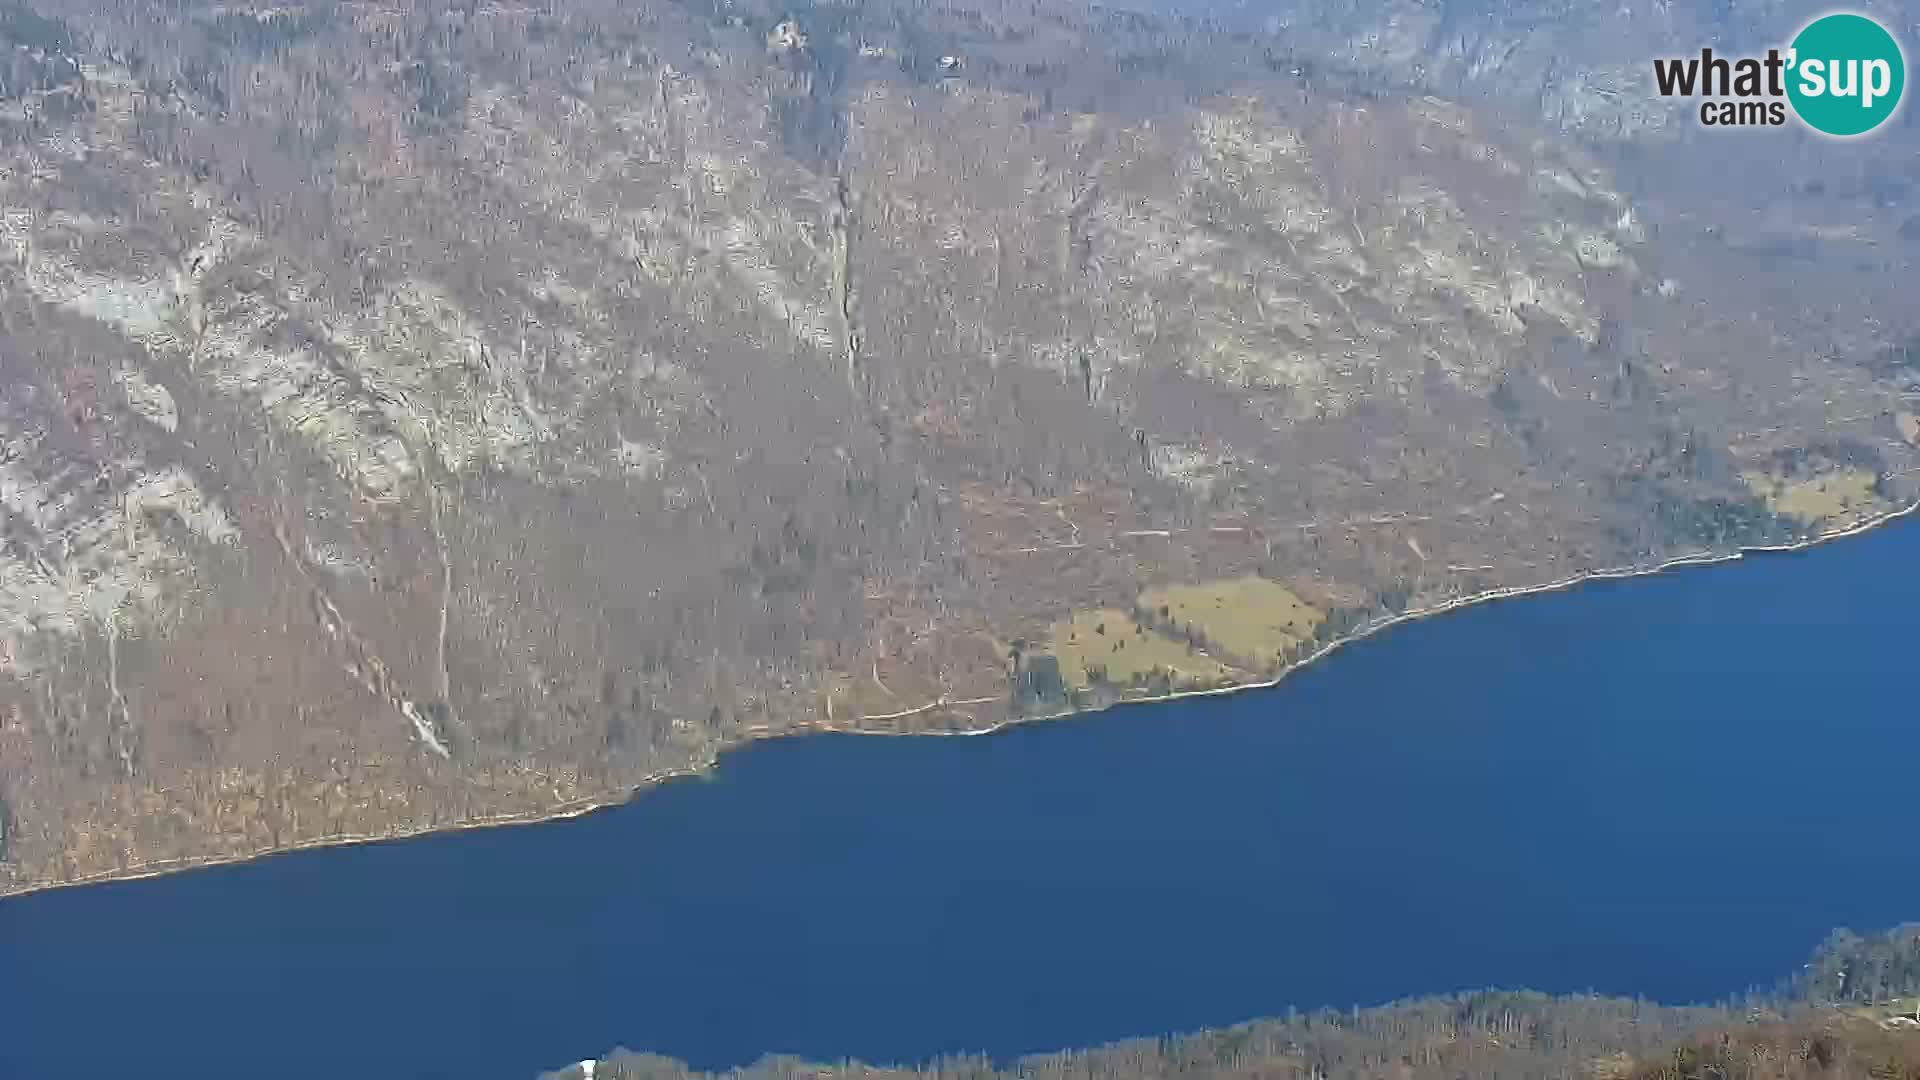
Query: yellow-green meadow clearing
[[1250, 618], [1840, 495], [1108, 640]]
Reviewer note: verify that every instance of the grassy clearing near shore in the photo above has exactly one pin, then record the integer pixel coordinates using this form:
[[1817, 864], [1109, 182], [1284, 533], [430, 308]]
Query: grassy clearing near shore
[[1250, 618], [1836, 496], [1108, 639]]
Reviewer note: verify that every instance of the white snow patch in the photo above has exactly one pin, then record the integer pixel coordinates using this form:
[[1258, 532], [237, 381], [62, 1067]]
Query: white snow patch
[[150, 399], [424, 728]]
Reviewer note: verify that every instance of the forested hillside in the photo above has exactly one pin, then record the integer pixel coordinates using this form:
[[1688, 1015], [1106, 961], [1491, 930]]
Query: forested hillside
[[415, 415], [1808, 1027]]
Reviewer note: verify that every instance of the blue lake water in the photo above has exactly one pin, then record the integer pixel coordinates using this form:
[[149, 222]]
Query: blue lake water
[[1671, 787]]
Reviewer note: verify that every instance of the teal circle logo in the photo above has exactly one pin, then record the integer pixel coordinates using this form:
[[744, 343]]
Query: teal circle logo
[[1845, 74]]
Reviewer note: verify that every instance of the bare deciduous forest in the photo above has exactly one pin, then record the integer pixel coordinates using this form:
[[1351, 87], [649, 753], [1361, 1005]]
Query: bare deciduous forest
[[1846, 1016], [418, 415]]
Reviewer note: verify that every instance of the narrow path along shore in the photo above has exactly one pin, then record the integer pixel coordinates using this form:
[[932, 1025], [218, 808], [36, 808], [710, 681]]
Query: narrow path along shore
[[621, 796], [1361, 632]]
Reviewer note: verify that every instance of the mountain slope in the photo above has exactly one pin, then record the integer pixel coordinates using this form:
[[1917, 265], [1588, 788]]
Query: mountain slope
[[424, 415]]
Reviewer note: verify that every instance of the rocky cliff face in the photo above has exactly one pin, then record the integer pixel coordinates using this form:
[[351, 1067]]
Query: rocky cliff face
[[1575, 67], [417, 416]]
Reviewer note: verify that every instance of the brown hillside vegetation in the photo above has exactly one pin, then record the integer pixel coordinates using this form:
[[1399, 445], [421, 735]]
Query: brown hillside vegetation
[[1850, 1048], [1501, 1037], [1848, 1014], [424, 414]]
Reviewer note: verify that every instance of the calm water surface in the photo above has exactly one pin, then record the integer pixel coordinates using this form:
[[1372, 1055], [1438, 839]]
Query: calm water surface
[[1670, 787]]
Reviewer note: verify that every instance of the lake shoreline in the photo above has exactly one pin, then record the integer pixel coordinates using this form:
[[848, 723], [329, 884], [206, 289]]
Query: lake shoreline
[[628, 794]]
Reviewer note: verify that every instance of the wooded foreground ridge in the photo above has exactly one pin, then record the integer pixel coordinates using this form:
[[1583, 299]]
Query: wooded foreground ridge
[[1848, 1015]]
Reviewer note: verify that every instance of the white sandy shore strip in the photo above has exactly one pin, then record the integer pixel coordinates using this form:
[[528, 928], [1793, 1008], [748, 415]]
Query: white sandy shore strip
[[580, 807]]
